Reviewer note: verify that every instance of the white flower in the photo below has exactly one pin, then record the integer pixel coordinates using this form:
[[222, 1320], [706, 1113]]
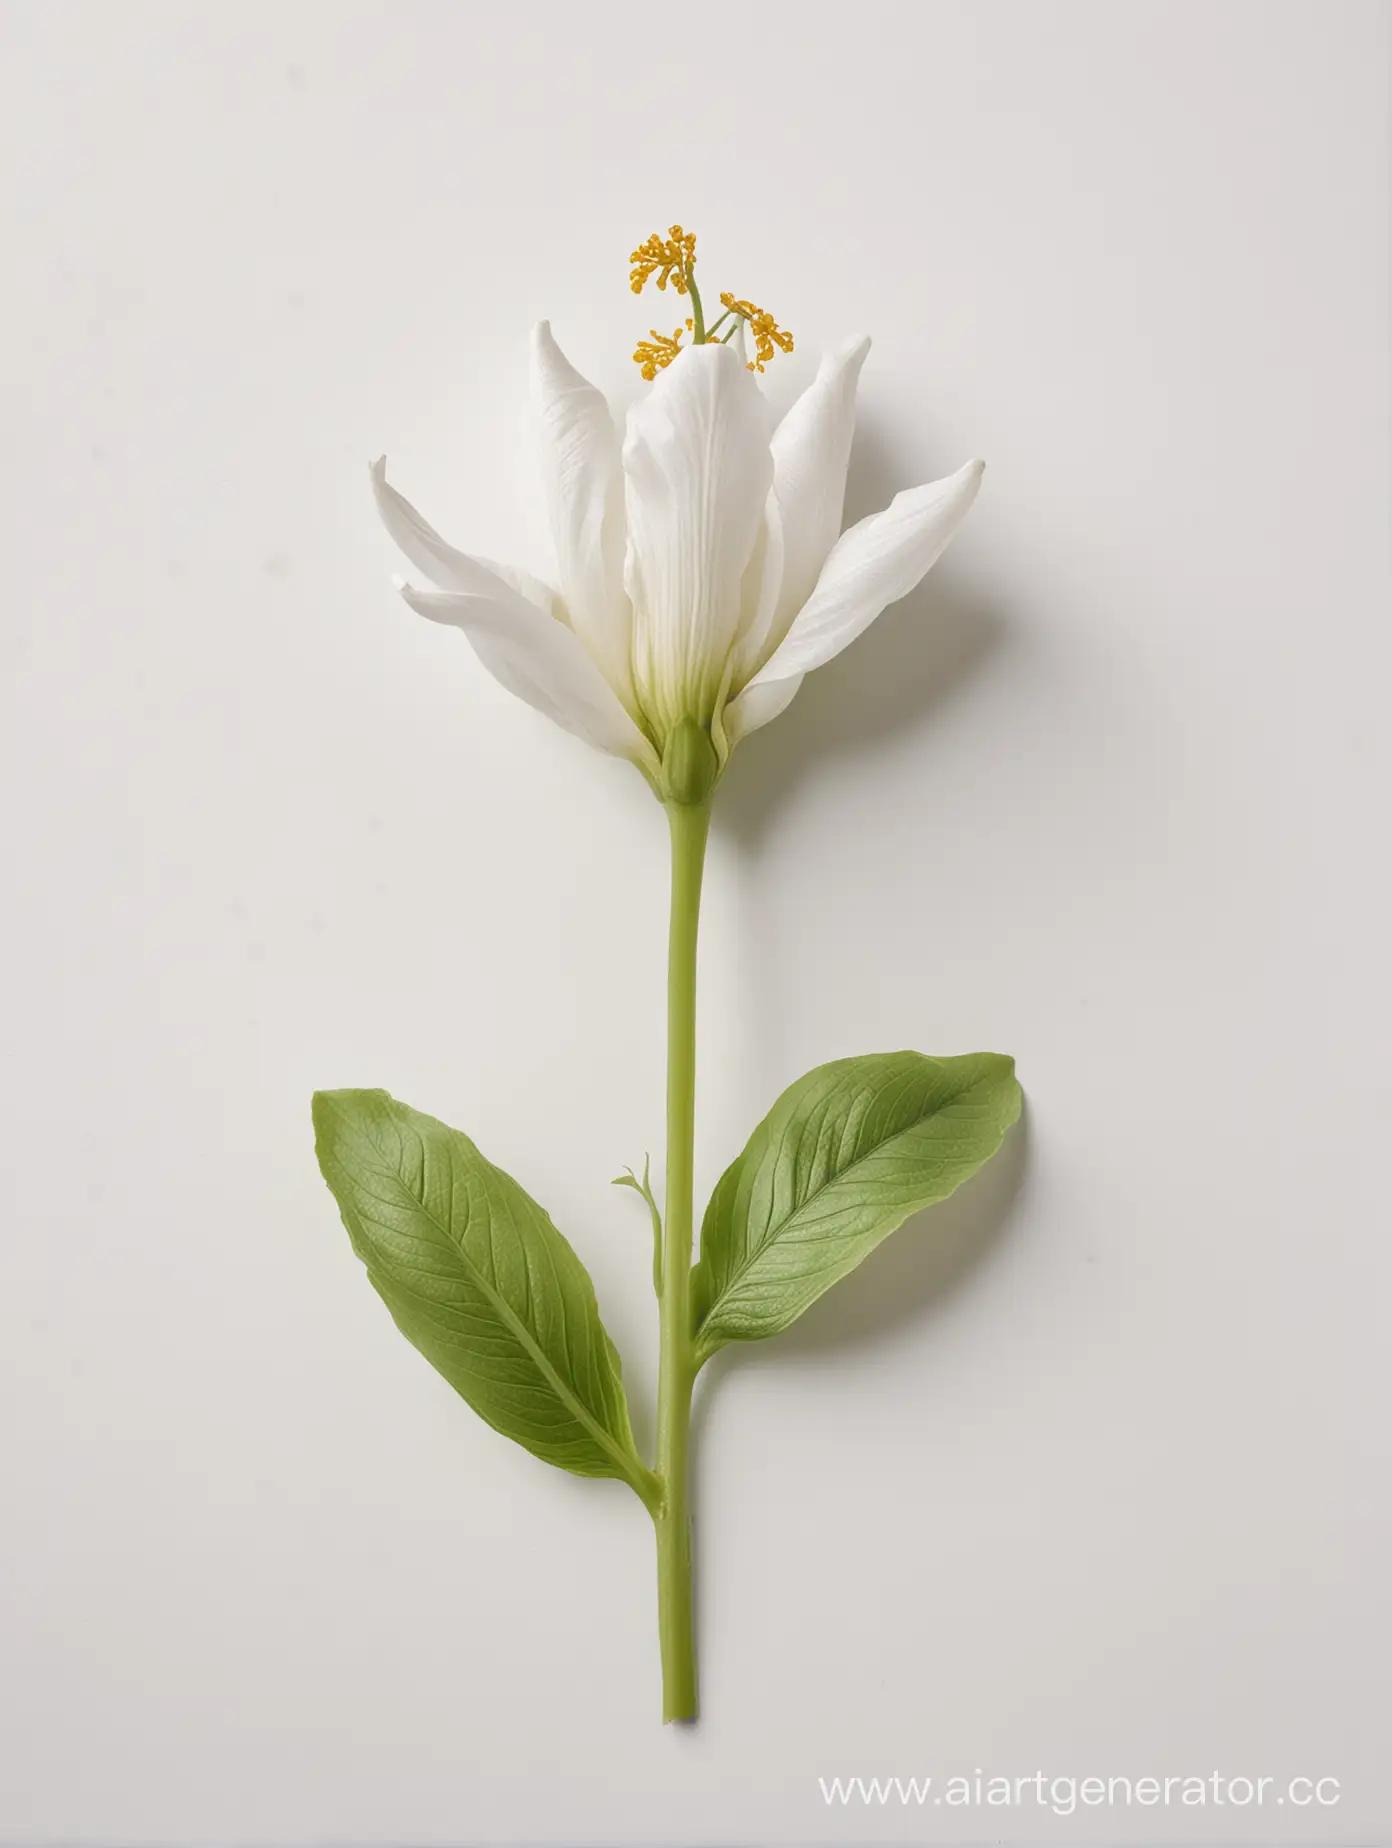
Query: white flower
[[699, 565]]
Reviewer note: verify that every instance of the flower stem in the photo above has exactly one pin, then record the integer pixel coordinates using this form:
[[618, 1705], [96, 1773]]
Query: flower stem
[[690, 824], [698, 313]]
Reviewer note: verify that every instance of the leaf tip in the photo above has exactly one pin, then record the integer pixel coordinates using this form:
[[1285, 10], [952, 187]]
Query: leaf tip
[[333, 1111]]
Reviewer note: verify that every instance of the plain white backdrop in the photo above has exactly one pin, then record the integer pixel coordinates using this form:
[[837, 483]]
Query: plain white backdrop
[[1088, 1473]]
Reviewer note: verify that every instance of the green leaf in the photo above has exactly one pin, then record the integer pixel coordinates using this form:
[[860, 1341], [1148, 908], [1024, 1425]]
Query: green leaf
[[845, 1156], [480, 1281]]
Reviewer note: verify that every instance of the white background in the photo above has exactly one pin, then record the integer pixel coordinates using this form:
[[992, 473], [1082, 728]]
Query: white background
[[1089, 1472]]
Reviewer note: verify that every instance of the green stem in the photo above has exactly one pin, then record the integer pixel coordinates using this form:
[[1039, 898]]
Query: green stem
[[690, 824], [698, 315]]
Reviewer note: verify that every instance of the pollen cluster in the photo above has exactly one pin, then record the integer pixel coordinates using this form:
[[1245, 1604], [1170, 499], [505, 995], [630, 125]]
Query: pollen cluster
[[657, 353], [673, 259], [766, 331]]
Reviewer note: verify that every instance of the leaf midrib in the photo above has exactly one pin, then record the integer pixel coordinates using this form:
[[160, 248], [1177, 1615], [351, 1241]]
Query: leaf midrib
[[748, 1263], [525, 1339]]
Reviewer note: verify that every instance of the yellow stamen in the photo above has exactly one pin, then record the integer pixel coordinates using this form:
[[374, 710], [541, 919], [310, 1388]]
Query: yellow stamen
[[766, 331], [657, 354], [672, 257]]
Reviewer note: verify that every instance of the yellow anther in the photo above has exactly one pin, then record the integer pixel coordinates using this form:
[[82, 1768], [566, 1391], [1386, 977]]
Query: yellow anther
[[671, 257], [654, 355], [766, 331]]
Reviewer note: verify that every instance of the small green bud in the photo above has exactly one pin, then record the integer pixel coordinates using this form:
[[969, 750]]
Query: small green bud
[[690, 766]]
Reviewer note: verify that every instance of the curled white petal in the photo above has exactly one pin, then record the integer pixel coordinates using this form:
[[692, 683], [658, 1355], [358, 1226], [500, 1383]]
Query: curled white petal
[[759, 702], [540, 660], [872, 565], [697, 471], [811, 451], [583, 471], [532, 588], [441, 563]]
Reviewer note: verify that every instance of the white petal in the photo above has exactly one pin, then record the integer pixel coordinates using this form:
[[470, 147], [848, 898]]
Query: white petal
[[541, 661], [440, 562], [811, 449], [759, 702], [697, 467], [532, 588], [583, 471], [759, 593], [874, 564]]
